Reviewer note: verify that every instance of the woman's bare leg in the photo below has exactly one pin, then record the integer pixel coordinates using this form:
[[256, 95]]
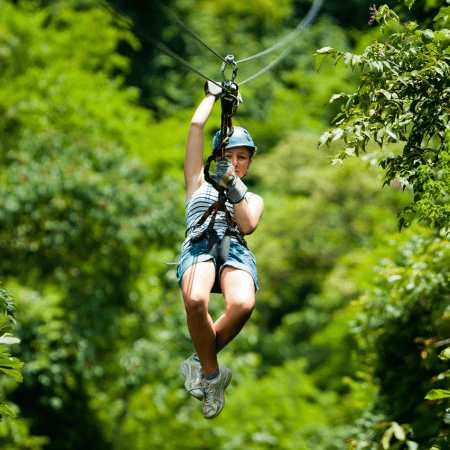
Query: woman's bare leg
[[196, 286], [238, 291]]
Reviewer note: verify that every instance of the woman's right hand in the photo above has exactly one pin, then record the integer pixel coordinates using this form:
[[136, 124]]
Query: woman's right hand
[[214, 89]]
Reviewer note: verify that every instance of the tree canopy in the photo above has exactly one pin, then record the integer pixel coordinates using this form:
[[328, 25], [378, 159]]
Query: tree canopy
[[402, 97], [347, 347]]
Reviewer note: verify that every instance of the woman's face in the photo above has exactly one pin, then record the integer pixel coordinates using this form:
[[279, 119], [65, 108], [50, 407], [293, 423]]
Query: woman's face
[[240, 158]]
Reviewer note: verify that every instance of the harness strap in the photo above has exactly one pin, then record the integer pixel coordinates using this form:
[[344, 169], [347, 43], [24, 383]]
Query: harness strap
[[217, 248], [217, 206]]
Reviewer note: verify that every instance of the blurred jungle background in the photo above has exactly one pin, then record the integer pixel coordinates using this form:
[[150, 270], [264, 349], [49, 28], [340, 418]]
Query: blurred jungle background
[[342, 347]]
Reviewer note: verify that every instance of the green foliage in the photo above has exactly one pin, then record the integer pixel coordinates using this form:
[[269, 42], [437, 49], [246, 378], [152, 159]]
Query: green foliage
[[80, 240], [289, 97], [7, 303], [242, 29], [403, 320], [315, 216], [88, 214], [78, 217], [441, 394], [8, 364], [287, 412], [58, 74], [402, 97]]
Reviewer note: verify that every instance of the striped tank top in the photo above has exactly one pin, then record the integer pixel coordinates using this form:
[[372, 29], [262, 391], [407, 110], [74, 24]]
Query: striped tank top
[[196, 206]]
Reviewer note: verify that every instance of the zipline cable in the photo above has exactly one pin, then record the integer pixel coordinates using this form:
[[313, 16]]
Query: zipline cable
[[130, 27], [303, 24], [268, 67], [176, 19]]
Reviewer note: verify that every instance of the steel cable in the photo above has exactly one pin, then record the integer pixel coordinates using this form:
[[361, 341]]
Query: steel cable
[[268, 67], [130, 27], [303, 24], [176, 19]]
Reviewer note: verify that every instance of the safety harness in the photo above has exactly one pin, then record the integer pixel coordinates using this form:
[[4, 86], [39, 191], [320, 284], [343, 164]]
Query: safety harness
[[219, 249]]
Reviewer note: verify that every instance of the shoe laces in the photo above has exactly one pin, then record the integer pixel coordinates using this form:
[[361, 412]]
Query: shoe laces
[[206, 390], [208, 394]]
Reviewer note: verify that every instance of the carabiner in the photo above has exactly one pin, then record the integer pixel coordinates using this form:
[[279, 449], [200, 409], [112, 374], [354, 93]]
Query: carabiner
[[229, 61]]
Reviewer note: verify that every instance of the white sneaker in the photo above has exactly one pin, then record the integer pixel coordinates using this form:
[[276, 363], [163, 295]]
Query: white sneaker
[[193, 372], [214, 393]]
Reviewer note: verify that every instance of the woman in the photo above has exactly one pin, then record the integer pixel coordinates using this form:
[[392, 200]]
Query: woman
[[205, 379]]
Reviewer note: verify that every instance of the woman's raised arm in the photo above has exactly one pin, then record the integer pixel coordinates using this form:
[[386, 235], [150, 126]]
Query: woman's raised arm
[[193, 163]]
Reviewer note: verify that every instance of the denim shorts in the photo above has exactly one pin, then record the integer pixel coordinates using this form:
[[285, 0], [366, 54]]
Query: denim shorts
[[239, 257]]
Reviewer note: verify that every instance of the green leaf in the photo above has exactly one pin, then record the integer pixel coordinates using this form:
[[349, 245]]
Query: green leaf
[[444, 12], [5, 410], [386, 439], [428, 36], [4, 320], [322, 54], [412, 25], [412, 445], [7, 361], [409, 3], [393, 133], [319, 61], [442, 35], [337, 134], [335, 97], [399, 432], [13, 373], [347, 58], [437, 394], [9, 339], [323, 139], [386, 93], [337, 57], [327, 50], [6, 329], [356, 59], [445, 354]]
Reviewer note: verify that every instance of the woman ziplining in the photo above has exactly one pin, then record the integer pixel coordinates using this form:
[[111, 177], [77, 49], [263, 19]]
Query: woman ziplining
[[200, 266], [219, 212]]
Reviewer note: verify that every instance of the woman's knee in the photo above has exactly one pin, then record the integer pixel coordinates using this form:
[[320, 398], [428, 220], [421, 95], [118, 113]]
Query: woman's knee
[[247, 307], [242, 307], [196, 302]]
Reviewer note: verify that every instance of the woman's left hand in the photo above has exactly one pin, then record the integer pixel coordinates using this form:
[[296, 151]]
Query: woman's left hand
[[225, 176], [224, 172]]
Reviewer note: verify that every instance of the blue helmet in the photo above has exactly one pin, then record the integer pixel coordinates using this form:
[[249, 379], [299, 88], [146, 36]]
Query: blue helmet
[[240, 138]]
